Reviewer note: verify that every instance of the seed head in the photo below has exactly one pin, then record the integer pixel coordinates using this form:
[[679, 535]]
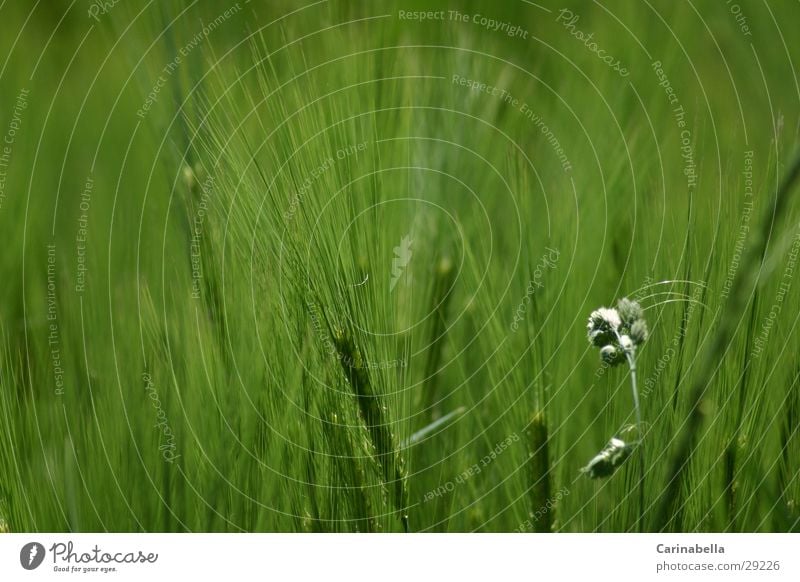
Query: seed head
[[639, 332], [611, 330], [602, 327], [606, 317], [600, 338], [629, 311], [612, 355]]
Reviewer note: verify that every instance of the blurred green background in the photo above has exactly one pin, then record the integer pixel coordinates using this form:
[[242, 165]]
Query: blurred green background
[[208, 207]]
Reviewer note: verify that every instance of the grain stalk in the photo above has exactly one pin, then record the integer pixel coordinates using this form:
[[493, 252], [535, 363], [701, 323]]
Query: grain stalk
[[687, 279], [347, 464], [787, 468], [539, 473], [712, 356], [372, 411], [440, 300]]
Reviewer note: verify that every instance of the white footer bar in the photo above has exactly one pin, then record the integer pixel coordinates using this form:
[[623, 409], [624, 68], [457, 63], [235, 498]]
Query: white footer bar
[[391, 557]]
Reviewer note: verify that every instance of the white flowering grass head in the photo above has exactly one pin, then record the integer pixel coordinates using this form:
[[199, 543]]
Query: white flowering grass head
[[612, 355], [639, 331], [606, 462], [617, 332], [602, 325]]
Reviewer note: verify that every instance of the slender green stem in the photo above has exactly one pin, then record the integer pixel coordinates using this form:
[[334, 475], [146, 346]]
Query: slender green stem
[[630, 356], [632, 364], [742, 288]]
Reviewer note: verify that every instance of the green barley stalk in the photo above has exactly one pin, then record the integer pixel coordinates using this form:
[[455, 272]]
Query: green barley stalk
[[744, 281], [734, 440], [539, 472], [787, 468], [372, 411], [440, 300], [687, 278], [730, 484], [347, 464], [366, 515], [311, 443], [630, 356]]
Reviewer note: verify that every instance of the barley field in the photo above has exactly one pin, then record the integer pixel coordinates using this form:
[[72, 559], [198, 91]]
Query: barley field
[[327, 266]]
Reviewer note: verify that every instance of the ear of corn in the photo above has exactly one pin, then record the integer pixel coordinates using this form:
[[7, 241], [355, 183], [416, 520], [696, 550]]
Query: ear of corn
[[375, 417], [540, 474]]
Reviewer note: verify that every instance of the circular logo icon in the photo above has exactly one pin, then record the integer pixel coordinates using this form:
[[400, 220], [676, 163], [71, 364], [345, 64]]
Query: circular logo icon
[[31, 555]]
